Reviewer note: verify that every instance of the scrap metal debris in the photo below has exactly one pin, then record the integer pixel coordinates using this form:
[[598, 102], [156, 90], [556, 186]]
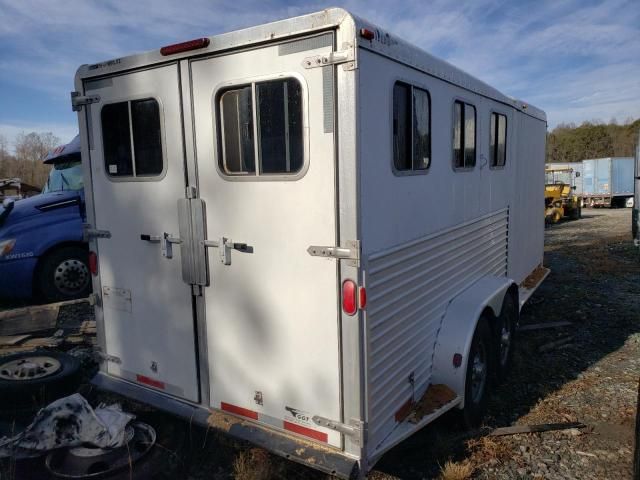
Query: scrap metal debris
[[555, 344], [545, 427], [69, 422], [541, 326]]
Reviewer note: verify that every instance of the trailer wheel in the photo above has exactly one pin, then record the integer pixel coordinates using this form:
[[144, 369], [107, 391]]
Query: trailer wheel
[[31, 380], [480, 364], [507, 322], [64, 274]]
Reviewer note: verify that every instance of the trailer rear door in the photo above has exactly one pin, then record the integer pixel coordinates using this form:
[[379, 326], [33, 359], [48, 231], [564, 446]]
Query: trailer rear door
[[137, 169], [266, 171]]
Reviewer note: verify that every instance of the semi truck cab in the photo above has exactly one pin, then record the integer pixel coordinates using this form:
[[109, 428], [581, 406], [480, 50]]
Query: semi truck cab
[[42, 253]]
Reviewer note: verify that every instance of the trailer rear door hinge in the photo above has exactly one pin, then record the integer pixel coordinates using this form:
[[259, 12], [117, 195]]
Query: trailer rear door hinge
[[88, 233], [104, 357], [78, 101], [353, 429], [351, 252], [346, 56]]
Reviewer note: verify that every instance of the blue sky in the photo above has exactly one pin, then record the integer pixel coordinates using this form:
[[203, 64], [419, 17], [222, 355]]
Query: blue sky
[[576, 59]]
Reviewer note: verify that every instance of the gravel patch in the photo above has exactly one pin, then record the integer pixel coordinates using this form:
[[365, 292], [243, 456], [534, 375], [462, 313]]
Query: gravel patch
[[586, 372]]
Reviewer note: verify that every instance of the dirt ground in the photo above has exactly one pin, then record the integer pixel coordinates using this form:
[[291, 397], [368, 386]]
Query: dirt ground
[[587, 372]]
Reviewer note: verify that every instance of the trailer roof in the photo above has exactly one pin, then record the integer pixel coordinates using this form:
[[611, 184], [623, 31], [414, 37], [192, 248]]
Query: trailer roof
[[382, 43]]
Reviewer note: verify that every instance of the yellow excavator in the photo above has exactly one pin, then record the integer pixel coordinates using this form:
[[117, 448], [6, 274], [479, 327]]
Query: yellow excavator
[[560, 199]]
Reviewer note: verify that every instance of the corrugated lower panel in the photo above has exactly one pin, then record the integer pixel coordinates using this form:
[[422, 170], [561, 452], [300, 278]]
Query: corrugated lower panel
[[408, 289]]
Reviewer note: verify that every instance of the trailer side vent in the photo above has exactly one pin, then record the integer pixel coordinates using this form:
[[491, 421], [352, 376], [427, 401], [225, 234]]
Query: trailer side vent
[[184, 46]]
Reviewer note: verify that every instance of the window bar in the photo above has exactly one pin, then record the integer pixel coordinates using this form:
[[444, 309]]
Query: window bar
[[411, 127], [239, 129], [256, 131], [222, 134], [286, 127], [133, 151]]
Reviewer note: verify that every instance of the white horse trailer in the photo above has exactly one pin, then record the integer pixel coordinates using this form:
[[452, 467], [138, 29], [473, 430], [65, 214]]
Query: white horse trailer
[[309, 234]]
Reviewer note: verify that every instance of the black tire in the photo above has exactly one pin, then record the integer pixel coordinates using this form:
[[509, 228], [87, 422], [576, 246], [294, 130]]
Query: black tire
[[477, 395], [27, 394], [505, 336], [64, 274]]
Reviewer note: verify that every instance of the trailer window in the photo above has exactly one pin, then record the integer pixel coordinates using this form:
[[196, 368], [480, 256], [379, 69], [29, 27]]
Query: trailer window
[[277, 107], [411, 128], [464, 135], [498, 150], [134, 124]]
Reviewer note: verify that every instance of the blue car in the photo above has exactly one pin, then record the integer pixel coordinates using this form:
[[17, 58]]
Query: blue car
[[42, 253]]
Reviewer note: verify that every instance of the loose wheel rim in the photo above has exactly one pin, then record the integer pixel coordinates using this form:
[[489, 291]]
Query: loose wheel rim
[[93, 463], [478, 372], [29, 368], [71, 276]]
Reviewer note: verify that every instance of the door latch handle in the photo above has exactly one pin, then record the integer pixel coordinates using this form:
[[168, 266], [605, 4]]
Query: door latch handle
[[150, 238], [167, 244], [166, 239], [224, 246]]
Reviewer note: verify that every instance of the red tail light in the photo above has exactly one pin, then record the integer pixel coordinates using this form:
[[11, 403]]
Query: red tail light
[[349, 297], [362, 300], [93, 263], [184, 46]]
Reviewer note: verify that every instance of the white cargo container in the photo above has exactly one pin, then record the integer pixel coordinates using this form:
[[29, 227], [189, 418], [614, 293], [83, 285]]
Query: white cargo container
[[385, 211]]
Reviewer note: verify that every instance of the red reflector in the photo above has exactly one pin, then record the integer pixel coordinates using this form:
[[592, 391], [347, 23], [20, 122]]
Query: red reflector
[[457, 360], [349, 304], [366, 33], [245, 412], [184, 46], [307, 432], [150, 381], [362, 298], [93, 263]]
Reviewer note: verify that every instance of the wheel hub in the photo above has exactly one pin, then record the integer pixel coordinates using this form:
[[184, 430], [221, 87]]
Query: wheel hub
[[71, 276], [478, 374], [29, 368], [505, 343]]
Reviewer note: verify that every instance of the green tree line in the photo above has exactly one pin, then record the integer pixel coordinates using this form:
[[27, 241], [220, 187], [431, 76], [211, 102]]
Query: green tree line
[[571, 143]]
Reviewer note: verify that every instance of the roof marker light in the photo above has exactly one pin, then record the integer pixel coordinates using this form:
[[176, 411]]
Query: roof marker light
[[184, 46], [367, 34]]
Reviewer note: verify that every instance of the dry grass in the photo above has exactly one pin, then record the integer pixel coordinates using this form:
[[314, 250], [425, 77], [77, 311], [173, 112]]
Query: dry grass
[[253, 464], [487, 449], [456, 470]]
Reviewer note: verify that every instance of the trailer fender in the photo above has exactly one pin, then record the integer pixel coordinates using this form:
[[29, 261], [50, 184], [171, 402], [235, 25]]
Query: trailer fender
[[457, 328]]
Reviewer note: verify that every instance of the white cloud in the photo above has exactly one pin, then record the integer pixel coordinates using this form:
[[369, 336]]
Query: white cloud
[[576, 61]]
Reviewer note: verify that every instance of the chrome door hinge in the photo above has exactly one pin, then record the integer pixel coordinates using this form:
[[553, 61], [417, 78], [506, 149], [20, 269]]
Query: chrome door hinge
[[78, 101], [346, 56], [354, 429], [103, 357], [350, 252], [94, 299], [88, 233]]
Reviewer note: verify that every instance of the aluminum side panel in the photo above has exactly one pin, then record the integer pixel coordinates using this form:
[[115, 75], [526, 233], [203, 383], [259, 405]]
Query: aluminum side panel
[[409, 287]]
